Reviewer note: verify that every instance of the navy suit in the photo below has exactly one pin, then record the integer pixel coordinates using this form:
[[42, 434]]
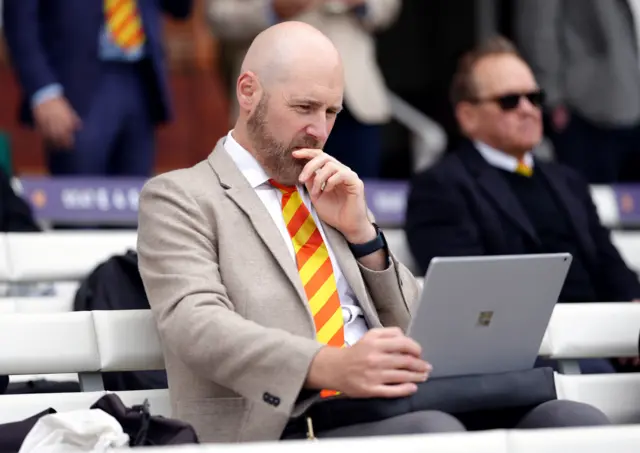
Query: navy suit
[[463, 206], [57, 43]]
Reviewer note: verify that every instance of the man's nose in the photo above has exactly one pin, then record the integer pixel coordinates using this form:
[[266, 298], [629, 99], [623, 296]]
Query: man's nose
[[318, 130]]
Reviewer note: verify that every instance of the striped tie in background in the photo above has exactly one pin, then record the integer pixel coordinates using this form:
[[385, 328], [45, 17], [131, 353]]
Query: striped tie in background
[[124, 24]]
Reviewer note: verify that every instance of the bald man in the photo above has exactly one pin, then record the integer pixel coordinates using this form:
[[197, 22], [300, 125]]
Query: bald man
[[351, 25], [271, 286]]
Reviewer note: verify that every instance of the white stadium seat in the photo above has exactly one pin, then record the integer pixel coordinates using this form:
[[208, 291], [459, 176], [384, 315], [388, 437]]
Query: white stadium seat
[[48, 343], [628, 244], [617, 395], [476, 442], [589, 330], [604, 197], [128, 340], [63, 255], [618, 439]]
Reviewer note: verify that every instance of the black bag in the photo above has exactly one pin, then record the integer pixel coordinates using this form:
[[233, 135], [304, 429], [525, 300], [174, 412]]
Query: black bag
[[143, 428], [13, 434], [453, 395], [116, 285]]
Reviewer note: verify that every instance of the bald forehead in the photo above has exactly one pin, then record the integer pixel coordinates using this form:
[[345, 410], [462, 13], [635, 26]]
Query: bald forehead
[[288, 48], [498, 74]]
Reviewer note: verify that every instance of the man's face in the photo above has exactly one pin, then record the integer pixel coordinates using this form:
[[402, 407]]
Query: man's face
[[295, 114], [507, 114]]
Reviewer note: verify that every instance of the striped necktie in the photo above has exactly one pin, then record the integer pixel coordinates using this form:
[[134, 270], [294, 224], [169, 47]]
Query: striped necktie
[[124, 24], [315, 269], [523, 169]]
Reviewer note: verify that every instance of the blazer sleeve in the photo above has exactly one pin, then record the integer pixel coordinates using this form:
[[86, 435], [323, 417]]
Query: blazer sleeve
[[237, 20], [21, 21], [620, 283], [179, 9], [536, 27], [196, 320], [381, 14], [438, 221]]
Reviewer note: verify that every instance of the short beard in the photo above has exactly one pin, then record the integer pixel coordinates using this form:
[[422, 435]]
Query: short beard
[[274, 156]]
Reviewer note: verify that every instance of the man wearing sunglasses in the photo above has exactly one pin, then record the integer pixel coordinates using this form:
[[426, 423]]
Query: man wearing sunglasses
[[492, 197]]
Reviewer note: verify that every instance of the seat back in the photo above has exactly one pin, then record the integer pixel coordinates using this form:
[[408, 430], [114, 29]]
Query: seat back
[[48, 343], [70, 255]]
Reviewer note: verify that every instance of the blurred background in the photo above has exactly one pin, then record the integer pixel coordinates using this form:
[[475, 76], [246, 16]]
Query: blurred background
[[417, 53]]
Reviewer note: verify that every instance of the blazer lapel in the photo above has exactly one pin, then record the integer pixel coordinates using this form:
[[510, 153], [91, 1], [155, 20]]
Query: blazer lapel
[[238, 189], [572, 206], [351, 271], [495, 186]]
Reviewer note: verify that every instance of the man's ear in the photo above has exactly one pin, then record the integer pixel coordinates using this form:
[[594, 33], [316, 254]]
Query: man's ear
[[248, 91], [467, 116]]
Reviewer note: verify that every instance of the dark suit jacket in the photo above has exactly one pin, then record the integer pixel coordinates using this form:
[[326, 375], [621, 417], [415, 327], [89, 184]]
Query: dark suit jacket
[[15, 213], [464, 207], [57, 41]]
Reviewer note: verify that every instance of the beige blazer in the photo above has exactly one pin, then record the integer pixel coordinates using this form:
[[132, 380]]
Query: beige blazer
[[237, 22], [237, 332]]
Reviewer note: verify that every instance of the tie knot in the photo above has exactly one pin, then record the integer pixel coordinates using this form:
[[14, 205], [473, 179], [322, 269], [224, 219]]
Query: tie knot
[[281, 187]]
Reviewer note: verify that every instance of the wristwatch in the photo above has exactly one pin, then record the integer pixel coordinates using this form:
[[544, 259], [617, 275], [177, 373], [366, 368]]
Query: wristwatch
[[377, 243]]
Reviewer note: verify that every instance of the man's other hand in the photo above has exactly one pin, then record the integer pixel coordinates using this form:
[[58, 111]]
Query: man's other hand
[[57, 122], [383, 364]]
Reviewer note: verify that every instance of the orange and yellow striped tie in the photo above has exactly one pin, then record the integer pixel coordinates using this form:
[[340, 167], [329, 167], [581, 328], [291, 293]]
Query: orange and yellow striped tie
[[315, 269], [124, 24]]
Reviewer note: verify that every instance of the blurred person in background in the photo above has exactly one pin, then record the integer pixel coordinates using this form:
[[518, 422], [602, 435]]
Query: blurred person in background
[[93, 78], [350, 24], [585, 56], [492, 197]]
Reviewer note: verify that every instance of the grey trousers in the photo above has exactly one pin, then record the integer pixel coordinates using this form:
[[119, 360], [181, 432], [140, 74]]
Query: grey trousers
[[552, 414]]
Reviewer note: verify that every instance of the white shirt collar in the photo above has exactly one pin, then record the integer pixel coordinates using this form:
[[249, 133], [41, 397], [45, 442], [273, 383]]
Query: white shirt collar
[[501, 160], [246, 163]]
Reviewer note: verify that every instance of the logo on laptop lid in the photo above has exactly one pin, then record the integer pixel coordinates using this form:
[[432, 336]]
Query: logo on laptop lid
[[484, 318]]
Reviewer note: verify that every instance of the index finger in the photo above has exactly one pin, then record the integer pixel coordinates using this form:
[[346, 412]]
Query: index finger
[[307, 153]]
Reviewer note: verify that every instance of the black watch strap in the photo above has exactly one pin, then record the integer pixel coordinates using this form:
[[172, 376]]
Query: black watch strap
[[379, 242]]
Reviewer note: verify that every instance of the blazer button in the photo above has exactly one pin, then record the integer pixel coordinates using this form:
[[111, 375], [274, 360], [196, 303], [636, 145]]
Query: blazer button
[[271, 399]]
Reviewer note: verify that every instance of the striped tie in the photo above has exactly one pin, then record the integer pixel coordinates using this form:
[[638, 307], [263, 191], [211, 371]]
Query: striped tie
[[315, 269], [523, 169], [124, 24]]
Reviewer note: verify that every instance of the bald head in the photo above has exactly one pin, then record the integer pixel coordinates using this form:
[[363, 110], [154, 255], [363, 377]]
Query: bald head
[[289, 93], [288, 49]]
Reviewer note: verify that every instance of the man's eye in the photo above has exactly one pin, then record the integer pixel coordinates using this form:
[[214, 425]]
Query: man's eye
[[304, 108]]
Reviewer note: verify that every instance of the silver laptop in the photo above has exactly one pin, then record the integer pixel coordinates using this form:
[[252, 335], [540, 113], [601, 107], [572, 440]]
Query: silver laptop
[[487, 314]]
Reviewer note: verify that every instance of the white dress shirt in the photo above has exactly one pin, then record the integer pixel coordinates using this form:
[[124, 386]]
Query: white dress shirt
[[502, 160], [355, 324]]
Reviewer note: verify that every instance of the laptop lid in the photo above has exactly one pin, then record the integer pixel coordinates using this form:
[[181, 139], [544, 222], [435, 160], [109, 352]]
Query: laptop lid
[[487, 314]]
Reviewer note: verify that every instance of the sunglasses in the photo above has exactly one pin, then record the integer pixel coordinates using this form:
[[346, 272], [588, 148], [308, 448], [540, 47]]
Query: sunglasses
[[512, 101]]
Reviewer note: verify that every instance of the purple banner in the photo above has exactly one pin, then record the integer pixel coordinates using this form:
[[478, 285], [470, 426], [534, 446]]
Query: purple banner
[[628, 199], [388, 201], [82, 200], [112, 200]]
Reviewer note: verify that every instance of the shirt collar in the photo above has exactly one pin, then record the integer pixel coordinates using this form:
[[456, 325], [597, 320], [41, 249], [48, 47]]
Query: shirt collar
[[501, 160], [246, 163]]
